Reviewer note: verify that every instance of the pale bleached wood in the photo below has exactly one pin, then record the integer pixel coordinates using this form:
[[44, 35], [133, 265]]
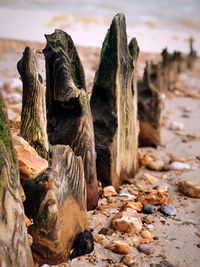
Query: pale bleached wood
[[14, 247], [31, 68]]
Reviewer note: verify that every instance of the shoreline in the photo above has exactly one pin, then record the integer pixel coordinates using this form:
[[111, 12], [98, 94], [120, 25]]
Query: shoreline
[[31, 25]]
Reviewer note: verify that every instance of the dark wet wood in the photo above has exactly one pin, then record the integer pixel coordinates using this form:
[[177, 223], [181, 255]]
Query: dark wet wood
[[14, 248], [112, 103], [149, 111], [68, 111]]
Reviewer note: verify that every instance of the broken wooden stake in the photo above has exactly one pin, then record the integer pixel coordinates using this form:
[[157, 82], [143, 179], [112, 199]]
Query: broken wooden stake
[[149, 111], [69, 117], [33, 119], [113, 110], [56, 201], [14, 248]]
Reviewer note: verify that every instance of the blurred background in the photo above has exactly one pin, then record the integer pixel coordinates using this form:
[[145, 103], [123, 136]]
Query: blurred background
[[155, 23]]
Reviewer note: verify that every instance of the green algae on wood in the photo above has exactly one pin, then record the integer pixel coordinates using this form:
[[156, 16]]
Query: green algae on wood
[[31, 68], [69, 119], [112, 104], [14, 249]]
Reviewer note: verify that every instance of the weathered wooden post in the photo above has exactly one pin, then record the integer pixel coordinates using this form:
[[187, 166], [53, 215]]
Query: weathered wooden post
[[192, 54], [14, 248], [69, 119], [56, 199], [33, 119], [112, 104], [149, 111]]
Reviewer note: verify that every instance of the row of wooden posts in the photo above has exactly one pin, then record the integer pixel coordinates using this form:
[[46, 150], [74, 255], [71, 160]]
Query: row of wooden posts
[[84, 140]]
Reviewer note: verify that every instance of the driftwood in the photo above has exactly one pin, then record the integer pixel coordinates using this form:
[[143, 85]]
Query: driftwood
[[149, 111], [112, 104], [14, 248], [33, 120], [69, 120], [56, 200]]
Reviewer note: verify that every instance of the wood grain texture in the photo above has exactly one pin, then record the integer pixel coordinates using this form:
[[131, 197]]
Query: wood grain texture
[[33, 117], [56, 201], [113, 107], [68, 109], [14, 248]]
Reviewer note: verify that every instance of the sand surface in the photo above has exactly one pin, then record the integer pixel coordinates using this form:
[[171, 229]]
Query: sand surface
[[176, 237]]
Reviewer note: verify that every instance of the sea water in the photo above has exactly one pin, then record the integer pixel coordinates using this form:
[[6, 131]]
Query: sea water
[[155, 23]]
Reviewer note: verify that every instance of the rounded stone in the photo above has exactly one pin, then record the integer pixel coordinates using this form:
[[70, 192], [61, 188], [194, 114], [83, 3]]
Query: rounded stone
[[149, 209], [168, 210], [145, 248]]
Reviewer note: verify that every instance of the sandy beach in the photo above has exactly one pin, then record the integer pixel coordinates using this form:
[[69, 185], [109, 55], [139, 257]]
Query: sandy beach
[[176, 238]]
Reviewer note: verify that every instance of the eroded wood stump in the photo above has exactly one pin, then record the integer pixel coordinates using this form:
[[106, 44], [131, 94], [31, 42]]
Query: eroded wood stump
[[56, 201], [112, 104], [149, 111], [33, 119], [69, 117], [14, 248]]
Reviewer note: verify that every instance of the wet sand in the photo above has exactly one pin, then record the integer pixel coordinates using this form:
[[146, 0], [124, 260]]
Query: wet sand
[[176, 237]]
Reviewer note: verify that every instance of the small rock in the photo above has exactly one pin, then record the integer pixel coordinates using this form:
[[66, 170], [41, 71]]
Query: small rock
[[168, 210], [149, 209], [134, 205], [128, 195], [145, 248], [189, 188], [153, 197], [101, 239], [177, 166], [31, 165], [176, 126], [148, 178], [119, 247], [127, 221], [128, 260], [109, 191], [146, 234], [150, 227]]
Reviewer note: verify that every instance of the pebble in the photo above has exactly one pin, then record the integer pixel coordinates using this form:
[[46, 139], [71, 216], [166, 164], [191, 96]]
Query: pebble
[[119, 247], [168, 210], [176, 126], [31, 165], [189, 188], [109, 191], [145, 248], [128, 195], [177, 166], [127, 221], [128, 260], [146, 234], [149, 209]]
